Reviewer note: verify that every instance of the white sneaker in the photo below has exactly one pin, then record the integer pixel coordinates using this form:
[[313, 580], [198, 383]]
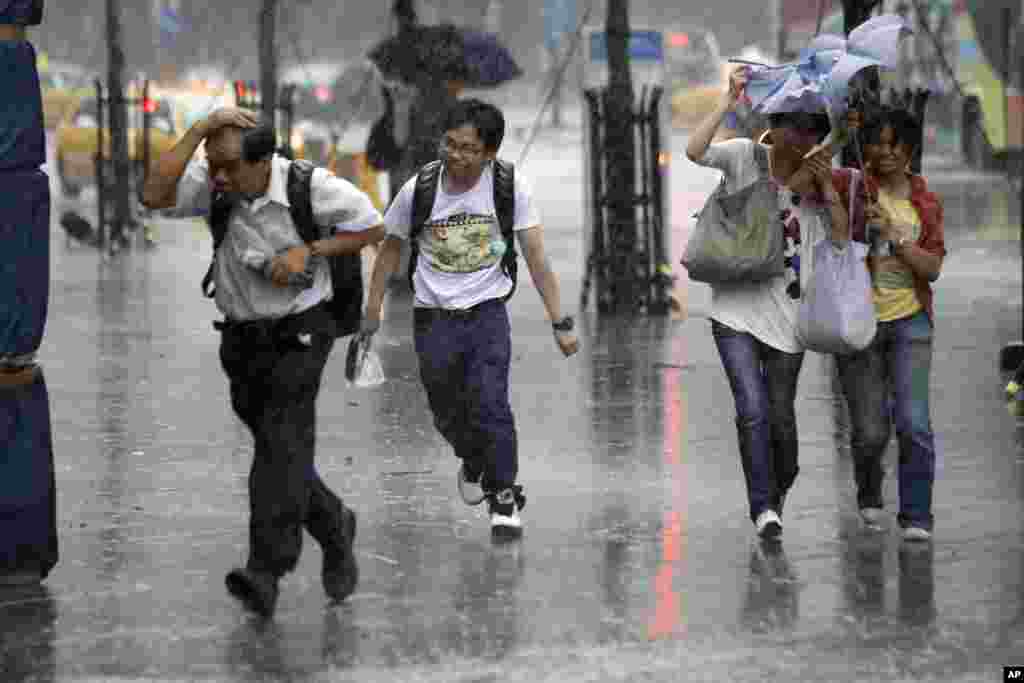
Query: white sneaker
[[505, 520], [472, 492], [916, 533], [768, 524], [872, 517]]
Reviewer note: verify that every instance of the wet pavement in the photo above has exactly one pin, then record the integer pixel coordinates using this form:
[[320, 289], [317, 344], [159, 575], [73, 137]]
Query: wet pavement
[[638, 561]]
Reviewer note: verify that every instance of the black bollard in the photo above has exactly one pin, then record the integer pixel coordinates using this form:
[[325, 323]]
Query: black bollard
[[28, 502]]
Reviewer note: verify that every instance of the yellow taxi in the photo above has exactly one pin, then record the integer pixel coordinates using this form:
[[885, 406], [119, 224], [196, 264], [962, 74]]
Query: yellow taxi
[[63, 86], [78, 139]]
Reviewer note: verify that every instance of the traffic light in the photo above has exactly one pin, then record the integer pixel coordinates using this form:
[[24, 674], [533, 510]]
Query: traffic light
[[678, 39]]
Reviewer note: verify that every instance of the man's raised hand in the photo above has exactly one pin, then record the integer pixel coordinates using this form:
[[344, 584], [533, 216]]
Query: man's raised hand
[[230, 116]]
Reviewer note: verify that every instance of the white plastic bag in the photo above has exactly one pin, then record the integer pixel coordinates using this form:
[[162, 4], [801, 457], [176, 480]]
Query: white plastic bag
[[837, 311], [362, 364]]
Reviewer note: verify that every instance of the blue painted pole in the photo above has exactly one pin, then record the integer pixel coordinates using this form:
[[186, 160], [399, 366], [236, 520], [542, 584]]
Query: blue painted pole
[[28, 523]]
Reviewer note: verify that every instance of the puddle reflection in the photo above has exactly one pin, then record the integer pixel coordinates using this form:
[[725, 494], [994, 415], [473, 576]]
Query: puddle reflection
[[27, 616], [28, 515], [771, 602]]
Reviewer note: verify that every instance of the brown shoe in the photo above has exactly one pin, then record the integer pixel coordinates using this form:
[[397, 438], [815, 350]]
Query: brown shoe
[[340, 572], [256, 590]]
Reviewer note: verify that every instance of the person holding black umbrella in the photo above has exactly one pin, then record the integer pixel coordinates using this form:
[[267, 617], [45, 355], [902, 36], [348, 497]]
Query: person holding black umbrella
[[459, 216], [434, 63]]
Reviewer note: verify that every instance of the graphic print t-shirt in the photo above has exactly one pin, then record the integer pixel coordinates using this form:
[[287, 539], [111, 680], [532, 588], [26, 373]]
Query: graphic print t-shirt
[[460, 247]]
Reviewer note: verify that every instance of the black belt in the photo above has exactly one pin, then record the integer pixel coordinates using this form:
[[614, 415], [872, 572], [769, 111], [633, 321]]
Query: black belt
[[273, 328], [426, 314]]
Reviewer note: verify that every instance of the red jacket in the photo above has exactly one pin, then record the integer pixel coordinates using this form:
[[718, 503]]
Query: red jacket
[[929, 210]]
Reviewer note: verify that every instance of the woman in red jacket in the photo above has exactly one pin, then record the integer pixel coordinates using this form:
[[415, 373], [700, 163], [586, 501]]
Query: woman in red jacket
[[889, 381]]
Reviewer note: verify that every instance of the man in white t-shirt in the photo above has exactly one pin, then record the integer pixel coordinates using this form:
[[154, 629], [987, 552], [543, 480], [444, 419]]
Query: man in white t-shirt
[[461, 280]]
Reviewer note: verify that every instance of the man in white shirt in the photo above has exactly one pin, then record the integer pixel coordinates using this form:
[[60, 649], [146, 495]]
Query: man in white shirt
[[272, 288], [462, 275]]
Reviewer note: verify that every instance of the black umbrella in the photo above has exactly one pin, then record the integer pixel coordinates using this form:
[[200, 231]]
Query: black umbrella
[[445, 52]]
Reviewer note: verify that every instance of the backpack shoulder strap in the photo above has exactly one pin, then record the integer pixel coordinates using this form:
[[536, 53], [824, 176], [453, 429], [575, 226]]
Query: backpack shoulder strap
[[218, 220], [505, 196], [422, 204], [423, 197], [505, 208], [299, 188]]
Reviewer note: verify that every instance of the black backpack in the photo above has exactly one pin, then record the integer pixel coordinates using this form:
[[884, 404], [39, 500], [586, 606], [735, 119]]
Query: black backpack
[[346, 270], [504, 206]]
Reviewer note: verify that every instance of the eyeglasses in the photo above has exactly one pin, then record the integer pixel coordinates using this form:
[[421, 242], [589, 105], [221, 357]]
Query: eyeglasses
[[447, 145]]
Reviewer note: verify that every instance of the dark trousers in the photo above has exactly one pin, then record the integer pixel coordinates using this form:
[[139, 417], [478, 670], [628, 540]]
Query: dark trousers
[[764, 383], [464, 364], [897, 364], [275, 379]]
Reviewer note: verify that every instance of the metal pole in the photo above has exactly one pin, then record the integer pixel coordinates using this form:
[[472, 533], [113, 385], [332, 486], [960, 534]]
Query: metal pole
[[1011, 357], [147, 126], [118, 122], [101, 162], [268, 60], [621, 148]]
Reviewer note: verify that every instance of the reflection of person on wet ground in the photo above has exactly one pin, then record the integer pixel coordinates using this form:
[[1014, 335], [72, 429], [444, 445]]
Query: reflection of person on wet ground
[[771, 602], [27, 617], [754, 323], [276, 336], [917, 584], [905, 230], [460, 284]]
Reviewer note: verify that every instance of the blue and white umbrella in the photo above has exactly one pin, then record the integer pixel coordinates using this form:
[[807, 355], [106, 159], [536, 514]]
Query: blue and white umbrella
[[820, 80]]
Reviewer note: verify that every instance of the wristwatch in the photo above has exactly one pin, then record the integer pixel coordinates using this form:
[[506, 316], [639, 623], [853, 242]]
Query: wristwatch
[[566, 324]]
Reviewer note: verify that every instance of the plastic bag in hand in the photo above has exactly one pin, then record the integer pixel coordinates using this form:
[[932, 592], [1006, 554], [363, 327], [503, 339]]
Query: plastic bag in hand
[[362, 364]]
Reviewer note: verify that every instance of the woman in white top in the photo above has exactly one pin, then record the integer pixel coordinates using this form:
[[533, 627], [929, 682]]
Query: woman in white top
[[754, 323]]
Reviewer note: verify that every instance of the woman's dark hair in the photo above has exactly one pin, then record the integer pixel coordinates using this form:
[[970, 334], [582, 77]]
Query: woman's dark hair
[[485, 117], [258, 143], [906, 130], [818, 123]]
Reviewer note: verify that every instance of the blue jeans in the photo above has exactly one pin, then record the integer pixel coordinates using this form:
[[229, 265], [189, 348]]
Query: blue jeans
[[896, 365], [764, 382], [464, 364]]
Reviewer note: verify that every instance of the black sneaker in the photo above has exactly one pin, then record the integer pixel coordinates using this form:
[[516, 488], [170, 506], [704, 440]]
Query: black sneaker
[[340, 572], [256, 590], [504, 508]]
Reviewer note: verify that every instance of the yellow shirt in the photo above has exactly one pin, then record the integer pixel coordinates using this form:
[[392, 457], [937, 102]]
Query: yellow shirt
[[894, 293]]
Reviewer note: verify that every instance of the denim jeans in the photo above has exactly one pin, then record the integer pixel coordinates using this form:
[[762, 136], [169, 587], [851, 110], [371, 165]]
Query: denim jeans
[[896, 365], [464, 365], [764, 382], [274, 385]]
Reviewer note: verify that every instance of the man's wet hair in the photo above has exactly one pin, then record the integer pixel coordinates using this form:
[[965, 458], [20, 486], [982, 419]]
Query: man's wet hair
[[906, 130], [484, 116], [816, 122], [258, 143]]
